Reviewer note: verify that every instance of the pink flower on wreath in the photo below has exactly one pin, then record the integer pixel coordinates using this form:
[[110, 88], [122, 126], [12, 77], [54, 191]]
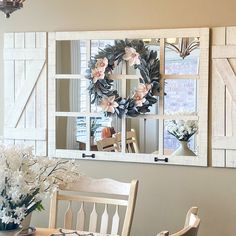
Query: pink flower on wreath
[[140, 93], [131, 56], [143, 89], [102, 63], [97, 74], [139, 99], [108, 104]]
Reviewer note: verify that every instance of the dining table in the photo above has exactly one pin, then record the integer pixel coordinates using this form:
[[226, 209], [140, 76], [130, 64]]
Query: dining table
[[64, 232]]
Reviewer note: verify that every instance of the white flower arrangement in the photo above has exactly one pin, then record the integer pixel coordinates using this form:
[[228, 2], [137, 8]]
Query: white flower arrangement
[[25, 180], [181, 129]]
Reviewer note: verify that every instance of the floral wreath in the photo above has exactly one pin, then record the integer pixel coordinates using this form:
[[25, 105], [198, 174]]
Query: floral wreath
[[101, 85]]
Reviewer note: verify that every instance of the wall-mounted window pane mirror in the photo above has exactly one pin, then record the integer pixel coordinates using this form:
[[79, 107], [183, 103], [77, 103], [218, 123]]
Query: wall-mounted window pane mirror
[[173, 130]]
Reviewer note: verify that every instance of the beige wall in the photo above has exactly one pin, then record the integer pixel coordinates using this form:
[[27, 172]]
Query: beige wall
[[165, 192]]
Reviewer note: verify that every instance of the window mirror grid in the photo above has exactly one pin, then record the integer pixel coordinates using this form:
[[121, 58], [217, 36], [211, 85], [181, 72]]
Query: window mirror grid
[[160, 115]]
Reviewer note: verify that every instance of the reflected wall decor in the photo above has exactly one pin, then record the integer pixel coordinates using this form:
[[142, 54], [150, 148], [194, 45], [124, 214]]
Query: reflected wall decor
[[25, 90], [223, 97]]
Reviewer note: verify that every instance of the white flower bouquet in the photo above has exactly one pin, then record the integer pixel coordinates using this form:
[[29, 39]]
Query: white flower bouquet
[[182, 130], [25, 180]]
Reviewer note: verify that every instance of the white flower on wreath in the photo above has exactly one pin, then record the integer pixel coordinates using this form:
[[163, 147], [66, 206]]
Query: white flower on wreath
[[131, 56], [109, 104], [97, 74], [101, 64]]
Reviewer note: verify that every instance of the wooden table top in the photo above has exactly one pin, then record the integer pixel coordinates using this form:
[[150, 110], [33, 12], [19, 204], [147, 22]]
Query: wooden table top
[[48, 232], [44, 232]]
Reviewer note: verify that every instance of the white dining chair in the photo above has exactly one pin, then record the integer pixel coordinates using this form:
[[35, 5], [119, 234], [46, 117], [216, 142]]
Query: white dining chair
[[107, 195]]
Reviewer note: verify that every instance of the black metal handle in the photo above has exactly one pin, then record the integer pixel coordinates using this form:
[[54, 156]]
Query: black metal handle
[[156, 159], [92, 155]]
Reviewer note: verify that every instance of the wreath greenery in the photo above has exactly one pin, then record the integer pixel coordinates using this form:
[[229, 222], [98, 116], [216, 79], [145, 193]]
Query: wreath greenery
[[101, 86]]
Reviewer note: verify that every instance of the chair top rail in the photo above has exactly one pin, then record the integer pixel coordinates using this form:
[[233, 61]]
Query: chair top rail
[[107, 186]]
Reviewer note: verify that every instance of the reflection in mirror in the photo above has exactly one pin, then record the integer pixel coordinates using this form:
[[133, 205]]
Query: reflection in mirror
[[175, 64], [181, 95], [71, 95], [131, 86], [96, 45], [117, 84], [71, 57], [151, 43], [180, 137], [132, 83], [103, 132], [71, 133], [142, 135]]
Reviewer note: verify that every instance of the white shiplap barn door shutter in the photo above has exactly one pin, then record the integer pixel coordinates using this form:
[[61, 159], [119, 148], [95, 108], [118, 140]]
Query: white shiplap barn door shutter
[[224, 97], [25, 90]]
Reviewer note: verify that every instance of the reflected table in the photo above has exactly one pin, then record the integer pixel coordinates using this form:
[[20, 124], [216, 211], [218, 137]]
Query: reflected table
[[63, 232]]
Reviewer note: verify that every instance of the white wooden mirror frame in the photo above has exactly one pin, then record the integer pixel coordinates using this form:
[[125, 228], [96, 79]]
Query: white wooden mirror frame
[[202, 89]]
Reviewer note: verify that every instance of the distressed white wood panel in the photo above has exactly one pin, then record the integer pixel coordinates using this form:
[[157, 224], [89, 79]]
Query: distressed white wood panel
[[26, 90], [9, 77], [224, 97], [30, 109], [229, 123], [20, 75], [226, 73], [230, 35], [41, 99], [218, 125], [25, 133], [24, 94], [154, 33], [222, 52], [25, 54]]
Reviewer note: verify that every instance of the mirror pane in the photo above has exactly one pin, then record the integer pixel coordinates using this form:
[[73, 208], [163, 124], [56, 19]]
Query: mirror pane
[[131, 87], [71, 133], [96, 107], [174, 63], [181, 95], [71, 57], [177, 135], [71, 95], [142, 135], [103, 133], [96, 45]]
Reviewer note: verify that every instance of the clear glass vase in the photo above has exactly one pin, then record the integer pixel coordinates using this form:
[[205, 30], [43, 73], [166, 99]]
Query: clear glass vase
[[183, 150]]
